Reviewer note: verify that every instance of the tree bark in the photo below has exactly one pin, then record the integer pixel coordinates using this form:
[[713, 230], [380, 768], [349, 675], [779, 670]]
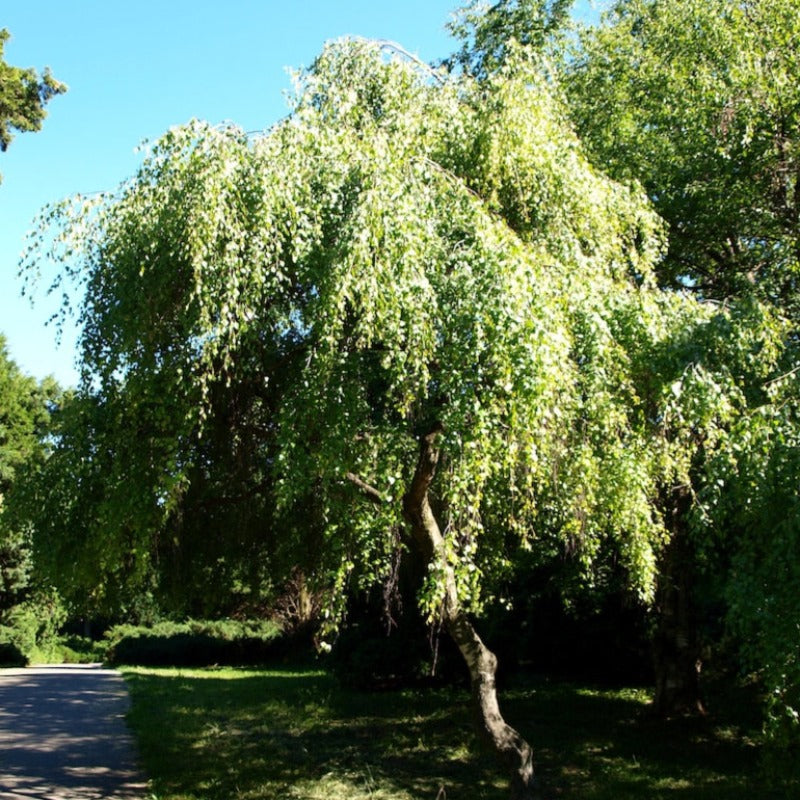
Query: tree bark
[[513, 751], [676, 649]]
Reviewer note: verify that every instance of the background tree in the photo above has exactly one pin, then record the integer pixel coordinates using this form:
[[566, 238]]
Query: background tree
[[490, 33], [696, 101], [23, 96], [112, 539], [700, 103], [750, 495], [69, 503], [24, 415]]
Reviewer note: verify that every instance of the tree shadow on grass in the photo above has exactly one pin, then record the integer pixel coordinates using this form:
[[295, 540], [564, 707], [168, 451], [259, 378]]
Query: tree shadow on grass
[[261, 735], [239, 734], [602, 744]]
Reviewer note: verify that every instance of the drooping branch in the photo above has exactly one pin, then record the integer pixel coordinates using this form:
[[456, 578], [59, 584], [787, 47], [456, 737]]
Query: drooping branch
[[370, 492]]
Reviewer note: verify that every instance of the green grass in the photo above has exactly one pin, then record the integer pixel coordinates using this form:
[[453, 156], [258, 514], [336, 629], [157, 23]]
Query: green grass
[[228, 734]]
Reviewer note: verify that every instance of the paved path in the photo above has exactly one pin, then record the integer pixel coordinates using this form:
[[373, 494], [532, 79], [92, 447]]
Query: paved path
[[63, 736]]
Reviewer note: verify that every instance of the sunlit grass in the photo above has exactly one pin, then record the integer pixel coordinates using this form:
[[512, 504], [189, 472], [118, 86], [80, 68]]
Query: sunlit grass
[[229, 734]]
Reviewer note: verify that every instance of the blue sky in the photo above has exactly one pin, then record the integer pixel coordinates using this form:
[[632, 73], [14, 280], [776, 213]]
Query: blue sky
[[133, 71]]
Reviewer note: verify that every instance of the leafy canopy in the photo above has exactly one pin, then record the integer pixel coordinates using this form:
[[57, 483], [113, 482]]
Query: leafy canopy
[[489, 34], [699, 101], [406, 251]]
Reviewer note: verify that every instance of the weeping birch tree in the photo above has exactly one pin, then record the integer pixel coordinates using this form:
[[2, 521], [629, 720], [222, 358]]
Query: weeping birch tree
[[442, 322]]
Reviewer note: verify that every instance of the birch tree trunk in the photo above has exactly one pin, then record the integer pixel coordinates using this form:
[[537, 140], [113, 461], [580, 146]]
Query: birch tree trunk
[[514, 752]]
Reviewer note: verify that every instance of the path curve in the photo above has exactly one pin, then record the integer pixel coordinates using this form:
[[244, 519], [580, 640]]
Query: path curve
[[63, 735]]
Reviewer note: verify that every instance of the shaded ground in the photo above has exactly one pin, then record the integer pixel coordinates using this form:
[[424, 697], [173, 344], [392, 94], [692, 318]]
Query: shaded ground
[[226, 734], [63, 736]]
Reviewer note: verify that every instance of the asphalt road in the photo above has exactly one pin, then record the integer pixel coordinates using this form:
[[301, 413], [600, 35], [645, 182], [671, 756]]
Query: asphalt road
[[63, 736]]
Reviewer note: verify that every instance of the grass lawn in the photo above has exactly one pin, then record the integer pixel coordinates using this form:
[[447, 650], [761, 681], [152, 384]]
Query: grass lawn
[[229, 734]]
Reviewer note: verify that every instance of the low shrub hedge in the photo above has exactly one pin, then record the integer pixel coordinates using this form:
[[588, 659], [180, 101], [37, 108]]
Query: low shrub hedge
[[195, 643]]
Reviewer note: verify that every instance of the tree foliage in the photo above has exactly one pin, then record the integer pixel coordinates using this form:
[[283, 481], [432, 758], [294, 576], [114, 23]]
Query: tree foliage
[[490, 34], [23, 96], [398, 252], [106, 536], [24, 415], [699, 102], [751, 496]]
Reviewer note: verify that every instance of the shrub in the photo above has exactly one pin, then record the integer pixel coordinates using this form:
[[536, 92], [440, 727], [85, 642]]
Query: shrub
[[10, 654], [32, 626], [194, 643], [81, 650]]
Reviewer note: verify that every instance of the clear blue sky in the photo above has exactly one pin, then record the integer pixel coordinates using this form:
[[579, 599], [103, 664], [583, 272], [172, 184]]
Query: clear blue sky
[[134, 69]]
